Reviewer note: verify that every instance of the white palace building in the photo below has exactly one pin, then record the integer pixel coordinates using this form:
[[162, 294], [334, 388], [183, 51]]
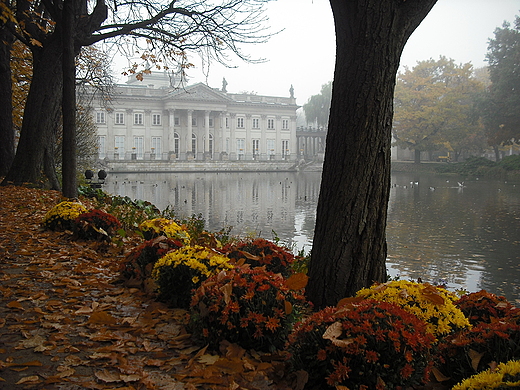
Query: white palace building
[[151, 120]]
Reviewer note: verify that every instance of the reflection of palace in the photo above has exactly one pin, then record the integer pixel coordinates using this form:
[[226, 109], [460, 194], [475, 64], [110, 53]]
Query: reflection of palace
[[150, 120]]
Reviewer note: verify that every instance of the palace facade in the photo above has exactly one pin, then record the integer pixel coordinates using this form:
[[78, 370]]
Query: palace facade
[[151, 120]]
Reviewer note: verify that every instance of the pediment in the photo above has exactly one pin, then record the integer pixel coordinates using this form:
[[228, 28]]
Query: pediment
[[198, 92]]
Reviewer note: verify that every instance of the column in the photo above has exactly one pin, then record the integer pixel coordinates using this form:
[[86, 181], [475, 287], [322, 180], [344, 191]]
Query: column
[[207, 154], [188, 136], [249, 147], [129, 138], [263, 138], [232, 139], [293, 143], [278, 138], [170, 143]]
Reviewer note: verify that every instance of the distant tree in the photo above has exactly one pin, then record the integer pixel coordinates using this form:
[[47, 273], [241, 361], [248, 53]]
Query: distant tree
[[434, 107], [318, 106], [349, 247], [167, 30], [501, 102]]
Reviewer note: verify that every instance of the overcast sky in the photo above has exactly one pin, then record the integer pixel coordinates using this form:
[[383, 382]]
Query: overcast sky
[[303, 54]]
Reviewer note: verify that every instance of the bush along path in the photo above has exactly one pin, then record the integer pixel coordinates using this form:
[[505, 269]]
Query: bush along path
[[65, 324]]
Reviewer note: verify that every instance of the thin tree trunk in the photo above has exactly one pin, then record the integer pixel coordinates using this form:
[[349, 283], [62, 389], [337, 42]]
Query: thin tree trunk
[[34, 157], [6, 102], [417, 156], [349, 247]]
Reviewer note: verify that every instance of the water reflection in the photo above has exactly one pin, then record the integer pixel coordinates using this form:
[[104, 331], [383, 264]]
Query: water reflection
[[468, 235]]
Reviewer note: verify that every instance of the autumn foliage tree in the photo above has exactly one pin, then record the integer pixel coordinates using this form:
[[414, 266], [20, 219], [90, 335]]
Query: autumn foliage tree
[[434, 108], [349, 246], [170, 30]]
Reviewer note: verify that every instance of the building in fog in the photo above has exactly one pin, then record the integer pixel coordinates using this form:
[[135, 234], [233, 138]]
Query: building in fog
[[152, 120]]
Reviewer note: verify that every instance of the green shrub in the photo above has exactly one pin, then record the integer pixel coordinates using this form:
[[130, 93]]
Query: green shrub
[[510, 163]]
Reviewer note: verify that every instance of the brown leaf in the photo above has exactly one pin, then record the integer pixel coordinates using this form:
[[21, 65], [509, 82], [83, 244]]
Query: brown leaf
[[439, 376], [107, 376], [333, 331], [227, 290], [32, 378], [288, 307], [475, 358], [102, 318], [15, 305], [297, 281]]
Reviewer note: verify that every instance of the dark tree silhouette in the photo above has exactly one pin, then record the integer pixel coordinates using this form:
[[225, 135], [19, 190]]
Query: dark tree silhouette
[[349, 247]]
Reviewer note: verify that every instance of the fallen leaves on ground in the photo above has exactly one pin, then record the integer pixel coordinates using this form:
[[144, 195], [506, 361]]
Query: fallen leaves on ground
[[66, 324]]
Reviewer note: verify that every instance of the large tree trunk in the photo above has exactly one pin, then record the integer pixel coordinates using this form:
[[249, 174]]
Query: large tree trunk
[[6, 102], [69, 155], [349, 247], [35, 152]]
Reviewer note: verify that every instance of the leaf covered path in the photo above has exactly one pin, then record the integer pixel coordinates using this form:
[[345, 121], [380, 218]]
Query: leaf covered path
[[66, 324]]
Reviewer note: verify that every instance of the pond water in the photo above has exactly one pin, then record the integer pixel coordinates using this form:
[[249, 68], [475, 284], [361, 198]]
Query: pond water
[[467, 234]]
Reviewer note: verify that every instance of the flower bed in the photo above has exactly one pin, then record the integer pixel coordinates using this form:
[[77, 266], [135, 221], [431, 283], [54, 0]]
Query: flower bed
[[96, 225], [163, 227], [363, 345], [505, 376], [260, 252], [252, 307], [434, 305], [62, 216], [180, 271], [138, 264]]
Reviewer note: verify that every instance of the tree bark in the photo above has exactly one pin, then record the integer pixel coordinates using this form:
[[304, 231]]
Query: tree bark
[[6, 102], [34, 157], [349, 247], [69, 155]]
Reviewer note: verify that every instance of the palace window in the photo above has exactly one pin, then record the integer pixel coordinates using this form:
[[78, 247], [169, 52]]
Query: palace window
[[102, 152], [256, 123], [138, 118], [241, 146], [120, 118], [285, 148], [285, 124], [139, 147], [119, 146], [156, 146], [176, 140], [270, 124], [240, 123], [100, 117], [177, 121], [156, 119]]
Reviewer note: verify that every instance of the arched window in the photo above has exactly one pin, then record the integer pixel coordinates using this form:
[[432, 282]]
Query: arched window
[[176, 141]]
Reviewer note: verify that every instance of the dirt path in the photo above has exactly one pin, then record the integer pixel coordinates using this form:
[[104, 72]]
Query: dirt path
[[66, 324]]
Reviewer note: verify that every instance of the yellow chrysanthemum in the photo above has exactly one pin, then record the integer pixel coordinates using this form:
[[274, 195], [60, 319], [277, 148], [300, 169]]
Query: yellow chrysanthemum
[[166, 227], [432, 304], [64, 211], [504, 376]]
